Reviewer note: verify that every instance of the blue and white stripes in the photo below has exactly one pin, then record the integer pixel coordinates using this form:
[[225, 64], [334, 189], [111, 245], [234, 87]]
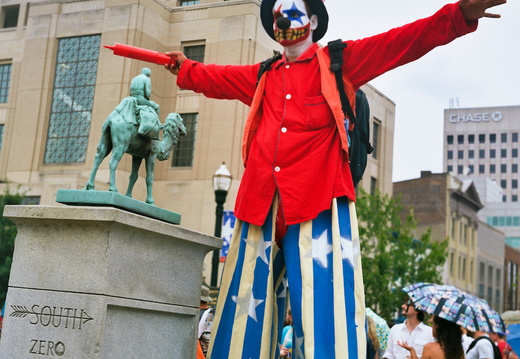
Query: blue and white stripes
[[319, 266]]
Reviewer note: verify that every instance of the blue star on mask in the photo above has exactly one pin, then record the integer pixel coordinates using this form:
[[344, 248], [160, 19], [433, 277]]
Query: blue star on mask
[[294, 14]]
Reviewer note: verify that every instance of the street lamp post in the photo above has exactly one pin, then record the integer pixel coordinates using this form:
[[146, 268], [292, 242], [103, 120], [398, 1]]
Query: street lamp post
[[221, 184]]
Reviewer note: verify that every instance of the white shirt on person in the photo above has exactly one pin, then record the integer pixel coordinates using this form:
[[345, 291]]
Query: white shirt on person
[[421, 335], [483, 349], [466, 342]]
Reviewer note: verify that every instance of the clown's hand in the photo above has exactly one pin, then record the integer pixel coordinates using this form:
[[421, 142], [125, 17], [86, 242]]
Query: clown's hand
[[179, 59], [476, 9]]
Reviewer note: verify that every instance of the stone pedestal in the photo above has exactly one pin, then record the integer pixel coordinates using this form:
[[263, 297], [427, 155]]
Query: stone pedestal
[[97, 282]]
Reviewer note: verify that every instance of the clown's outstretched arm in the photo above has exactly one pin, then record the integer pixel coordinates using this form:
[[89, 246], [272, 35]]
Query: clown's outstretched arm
[[476, 9], [230, 82]]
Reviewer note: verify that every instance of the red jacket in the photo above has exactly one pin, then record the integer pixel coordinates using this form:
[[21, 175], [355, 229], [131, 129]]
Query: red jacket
[[291, 142]]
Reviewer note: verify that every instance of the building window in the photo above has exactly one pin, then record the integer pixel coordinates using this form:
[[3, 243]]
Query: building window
[[460, 169], [460, 154], [188, 2], [503, 137], [481, 153], [1, 135], [514, 152], [5, 79], [72, 99], [31, 200], [492, 137], [514, 183], [514, 136], [450, 169], [450, 139], [503, 153], [482, 138], [194, 52], [503, 168], [503, 184], [512, 283], [514, 198], [9, 16], [471, 169], [183, 152], [460, 139], [492, 169], [373, 185], [471, 139], [450, 154], [375, 138], [492, 153], [471, 154], [481, 169], [514, 168]]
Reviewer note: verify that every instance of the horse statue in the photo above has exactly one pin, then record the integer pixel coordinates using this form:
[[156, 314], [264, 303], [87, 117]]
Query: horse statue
[[121, 136]]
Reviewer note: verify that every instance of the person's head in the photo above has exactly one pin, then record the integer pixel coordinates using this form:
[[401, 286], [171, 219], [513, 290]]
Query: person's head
[[290, 22], [288, 318], [409, 311], [496, 337], [372, 333], [449, 337], [205, 298], [146, 71]]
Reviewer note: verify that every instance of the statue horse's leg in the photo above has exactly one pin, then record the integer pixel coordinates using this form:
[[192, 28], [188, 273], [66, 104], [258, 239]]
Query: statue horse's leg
[[136, 163], [103, 149], [150, 166], [117, 154]]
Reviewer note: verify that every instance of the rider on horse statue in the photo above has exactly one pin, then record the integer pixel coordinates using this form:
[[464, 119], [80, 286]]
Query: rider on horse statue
[[139, 109]]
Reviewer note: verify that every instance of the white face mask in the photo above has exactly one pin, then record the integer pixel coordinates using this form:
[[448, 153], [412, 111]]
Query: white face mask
[[296, 12]]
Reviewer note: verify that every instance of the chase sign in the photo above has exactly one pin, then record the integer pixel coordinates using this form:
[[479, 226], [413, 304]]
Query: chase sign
[[477, 117]]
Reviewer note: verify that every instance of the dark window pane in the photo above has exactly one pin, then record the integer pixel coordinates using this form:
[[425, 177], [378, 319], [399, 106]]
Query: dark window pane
[[72, 100], [183, 152], [5, 78], [195, 53]]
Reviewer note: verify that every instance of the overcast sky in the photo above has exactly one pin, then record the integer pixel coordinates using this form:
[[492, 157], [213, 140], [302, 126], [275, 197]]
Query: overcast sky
[[481, 69]]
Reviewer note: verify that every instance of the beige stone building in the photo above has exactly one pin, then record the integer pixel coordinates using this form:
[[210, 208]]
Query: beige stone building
[[440, 203], [58, 84]]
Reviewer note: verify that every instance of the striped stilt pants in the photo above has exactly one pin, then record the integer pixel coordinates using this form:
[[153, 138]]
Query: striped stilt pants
[[319, 265]]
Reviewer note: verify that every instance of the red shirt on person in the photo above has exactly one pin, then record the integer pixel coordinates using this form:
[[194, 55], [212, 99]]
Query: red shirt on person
[[297, 149]]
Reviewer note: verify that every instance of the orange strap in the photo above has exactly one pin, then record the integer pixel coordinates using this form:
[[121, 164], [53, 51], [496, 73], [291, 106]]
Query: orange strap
[[200, 354]]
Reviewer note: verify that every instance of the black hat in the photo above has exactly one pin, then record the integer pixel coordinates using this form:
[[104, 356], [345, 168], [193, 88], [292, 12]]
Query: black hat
[[317, 8]]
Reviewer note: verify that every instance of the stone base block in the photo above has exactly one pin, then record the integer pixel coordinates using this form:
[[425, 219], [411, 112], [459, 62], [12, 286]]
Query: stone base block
[[95, 282]]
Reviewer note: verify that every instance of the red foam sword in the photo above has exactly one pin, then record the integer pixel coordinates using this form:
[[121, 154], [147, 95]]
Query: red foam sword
[[138, 53]]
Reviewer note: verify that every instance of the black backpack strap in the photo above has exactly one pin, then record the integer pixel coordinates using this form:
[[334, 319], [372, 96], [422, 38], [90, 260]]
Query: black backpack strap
[[336, 64], [496, 351], [266, 65]]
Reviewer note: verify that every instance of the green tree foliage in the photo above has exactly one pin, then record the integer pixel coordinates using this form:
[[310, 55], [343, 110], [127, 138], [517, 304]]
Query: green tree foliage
[[392, 257], [7, 235]]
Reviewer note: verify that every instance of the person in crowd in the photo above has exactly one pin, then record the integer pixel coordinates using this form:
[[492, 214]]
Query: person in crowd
[[207, 314], [412, 331], [287, 336], [482, 347], [295, 138], [447, 345], [500, 341], [467, 338], [205, 299], [373, 345]]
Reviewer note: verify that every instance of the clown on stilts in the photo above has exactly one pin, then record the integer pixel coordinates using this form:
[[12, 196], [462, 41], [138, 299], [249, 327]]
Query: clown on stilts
[[296, 237]]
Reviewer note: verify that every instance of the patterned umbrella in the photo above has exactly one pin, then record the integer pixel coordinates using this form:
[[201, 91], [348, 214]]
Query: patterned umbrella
[[382, 328], [455, 305]]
